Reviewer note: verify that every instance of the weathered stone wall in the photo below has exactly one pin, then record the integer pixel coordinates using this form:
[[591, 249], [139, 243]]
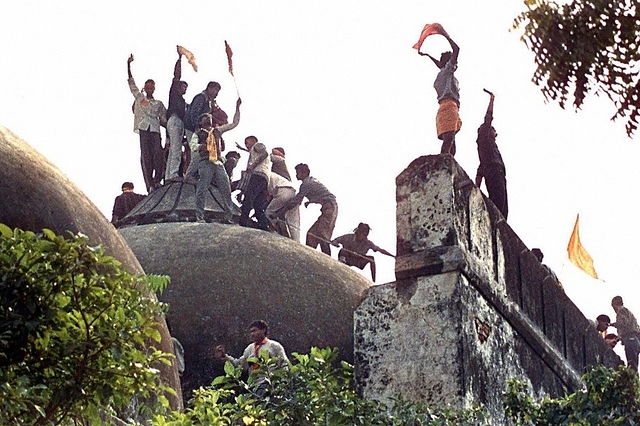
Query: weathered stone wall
[[472, 306]]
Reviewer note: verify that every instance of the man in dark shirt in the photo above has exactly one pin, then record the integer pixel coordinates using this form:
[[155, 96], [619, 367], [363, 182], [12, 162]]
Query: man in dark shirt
[[175, 122], [125, 202], [203, 103], [491, 165]]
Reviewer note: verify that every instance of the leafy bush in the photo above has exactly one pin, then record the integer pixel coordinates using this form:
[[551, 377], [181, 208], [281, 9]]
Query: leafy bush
[[310, 392], [74, 332], [610, 397]]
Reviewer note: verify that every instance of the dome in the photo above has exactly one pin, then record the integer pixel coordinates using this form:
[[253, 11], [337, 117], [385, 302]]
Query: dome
[[37, 195], [225, 276]]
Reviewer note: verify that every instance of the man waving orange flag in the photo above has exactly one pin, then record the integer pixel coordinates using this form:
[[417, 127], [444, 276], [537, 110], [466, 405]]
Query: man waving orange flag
[[578, 254]]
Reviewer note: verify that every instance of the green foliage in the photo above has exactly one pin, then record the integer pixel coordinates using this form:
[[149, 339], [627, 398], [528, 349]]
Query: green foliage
[[75, 328], [586, 46], [610, 397], [157, 283], [311, 391]]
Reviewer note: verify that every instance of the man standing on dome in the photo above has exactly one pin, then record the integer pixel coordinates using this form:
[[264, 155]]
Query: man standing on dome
[[286, 222], [203, 103], [207, 142], [125, 202], [255, 195], [319, 234], [149, 115], [279, 164], [175, 122]]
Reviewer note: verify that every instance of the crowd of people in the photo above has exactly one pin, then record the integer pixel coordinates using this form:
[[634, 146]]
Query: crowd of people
[[194, 153]]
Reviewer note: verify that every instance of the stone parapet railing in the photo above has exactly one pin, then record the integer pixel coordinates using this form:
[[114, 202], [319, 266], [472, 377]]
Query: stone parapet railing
[[471, 307]]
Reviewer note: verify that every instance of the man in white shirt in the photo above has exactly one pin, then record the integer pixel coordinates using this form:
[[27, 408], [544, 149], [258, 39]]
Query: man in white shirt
[[258, 331], [149, 114]]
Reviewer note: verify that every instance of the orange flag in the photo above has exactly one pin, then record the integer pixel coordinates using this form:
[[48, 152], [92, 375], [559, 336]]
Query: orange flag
[[578, 254], [428, 30], [190, 57], [227, 48]]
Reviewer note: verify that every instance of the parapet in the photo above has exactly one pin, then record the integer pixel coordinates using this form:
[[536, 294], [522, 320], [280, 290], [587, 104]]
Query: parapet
[[471, 307]]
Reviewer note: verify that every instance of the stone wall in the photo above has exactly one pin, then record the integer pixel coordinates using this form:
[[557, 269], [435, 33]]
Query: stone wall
[[471, 307]]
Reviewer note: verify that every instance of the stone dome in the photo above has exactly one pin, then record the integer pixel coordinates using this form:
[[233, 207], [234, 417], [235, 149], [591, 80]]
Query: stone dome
[[36, 195], [225, 276]]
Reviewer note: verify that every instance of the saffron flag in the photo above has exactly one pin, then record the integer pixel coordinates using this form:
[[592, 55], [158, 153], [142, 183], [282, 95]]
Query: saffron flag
[[189, 56], [578, 254], [227, 48], [428, 30]]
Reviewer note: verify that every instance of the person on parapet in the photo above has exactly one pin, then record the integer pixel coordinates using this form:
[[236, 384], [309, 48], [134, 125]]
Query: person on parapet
[[175, 122], [611, 339], [278, 163], [319, 234], [602, 324], [539, 255], [286, 222], [628, 332], [149, 115], [208, 143], [355, 247], [258, 332], [125, 202], [203, 103], [491, 166], [255, 194], [448, 121]]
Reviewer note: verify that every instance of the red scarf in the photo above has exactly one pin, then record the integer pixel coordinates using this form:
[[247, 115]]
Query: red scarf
[[256, 352]]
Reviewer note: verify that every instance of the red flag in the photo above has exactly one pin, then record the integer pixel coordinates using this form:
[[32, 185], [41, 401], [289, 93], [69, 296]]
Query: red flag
[[428, 30], [578, 254], [227, 48]]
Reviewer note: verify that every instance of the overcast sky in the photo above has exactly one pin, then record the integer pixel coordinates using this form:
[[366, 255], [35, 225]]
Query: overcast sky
[[338, 85]]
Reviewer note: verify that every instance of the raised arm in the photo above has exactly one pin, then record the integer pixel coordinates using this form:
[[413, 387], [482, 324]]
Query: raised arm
[[488, 116], [177, 69], [479, 176], [454, 48], [129, 60], [132, 83], [236, 120]]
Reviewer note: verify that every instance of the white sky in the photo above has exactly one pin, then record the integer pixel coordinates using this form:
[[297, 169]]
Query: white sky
[[337, 84]]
